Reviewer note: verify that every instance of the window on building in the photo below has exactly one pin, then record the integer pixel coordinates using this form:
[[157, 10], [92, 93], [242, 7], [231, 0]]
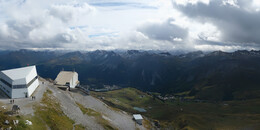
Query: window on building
[[25, 85], [6, 83], [30, 83], [19, 86]]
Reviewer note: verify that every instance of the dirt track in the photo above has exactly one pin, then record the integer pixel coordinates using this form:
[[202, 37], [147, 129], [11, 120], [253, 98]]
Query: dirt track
[[120, 119]]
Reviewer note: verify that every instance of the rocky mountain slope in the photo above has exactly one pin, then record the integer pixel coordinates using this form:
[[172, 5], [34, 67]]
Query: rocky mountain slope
[[210, 76]]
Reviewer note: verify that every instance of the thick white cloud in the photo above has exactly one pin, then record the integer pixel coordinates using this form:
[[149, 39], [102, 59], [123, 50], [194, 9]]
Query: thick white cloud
[[34, 24], [235, 21], [68, 13], [76, 24], [163, 31], [231, 3], [130, 24]]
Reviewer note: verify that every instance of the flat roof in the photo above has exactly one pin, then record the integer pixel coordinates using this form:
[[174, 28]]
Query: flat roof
[[64, 76], [18, 73], [137, 117]]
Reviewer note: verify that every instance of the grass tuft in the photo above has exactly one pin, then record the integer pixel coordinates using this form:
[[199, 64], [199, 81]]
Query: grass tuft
[[79, 127]]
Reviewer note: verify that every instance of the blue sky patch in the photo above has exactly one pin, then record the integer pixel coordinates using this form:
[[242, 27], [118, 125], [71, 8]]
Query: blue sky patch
[[120, 4]]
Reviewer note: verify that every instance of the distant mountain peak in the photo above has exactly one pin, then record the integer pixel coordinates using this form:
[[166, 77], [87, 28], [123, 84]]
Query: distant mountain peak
[[130, 52]]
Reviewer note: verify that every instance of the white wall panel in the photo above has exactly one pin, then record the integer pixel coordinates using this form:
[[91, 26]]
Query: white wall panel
[[19, 93], [33, 86]]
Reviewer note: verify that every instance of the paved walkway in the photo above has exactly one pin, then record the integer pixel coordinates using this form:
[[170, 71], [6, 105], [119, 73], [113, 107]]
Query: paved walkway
[[26, 104]]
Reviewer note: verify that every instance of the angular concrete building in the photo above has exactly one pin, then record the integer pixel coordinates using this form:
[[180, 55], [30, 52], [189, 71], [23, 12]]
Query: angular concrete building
[[67, 78], [19, 82]]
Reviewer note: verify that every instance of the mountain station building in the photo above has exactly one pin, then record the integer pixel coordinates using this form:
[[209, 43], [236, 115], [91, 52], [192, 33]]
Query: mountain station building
[[19, 82], [67, 78]]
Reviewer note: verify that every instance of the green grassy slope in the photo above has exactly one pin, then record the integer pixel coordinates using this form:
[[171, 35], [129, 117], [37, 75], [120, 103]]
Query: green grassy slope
[[191, 115]]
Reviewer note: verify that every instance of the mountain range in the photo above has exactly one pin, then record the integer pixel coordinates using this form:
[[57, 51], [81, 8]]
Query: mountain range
[[214, 75]]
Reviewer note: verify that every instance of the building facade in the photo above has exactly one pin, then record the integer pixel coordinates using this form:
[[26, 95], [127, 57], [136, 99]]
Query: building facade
[[19, 82], [67, 78], [138, 118]]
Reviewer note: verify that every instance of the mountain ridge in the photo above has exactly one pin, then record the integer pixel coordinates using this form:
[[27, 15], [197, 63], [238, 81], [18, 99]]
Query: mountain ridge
[[210, 76]]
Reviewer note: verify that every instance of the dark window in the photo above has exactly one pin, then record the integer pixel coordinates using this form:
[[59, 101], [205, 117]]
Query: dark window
[[67, 84], [6, 83], [25, 85], [19, 86], [29, 84]]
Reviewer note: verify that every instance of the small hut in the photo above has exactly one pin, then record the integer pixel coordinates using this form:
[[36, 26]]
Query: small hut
[[138, 118]]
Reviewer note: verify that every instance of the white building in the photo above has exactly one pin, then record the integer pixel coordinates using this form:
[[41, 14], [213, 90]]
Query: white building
[[67, 78], [138, 118], [19, 82]]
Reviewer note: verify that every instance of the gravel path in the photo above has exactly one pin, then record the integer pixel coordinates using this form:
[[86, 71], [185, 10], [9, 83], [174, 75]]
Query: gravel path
[[120, 119], [71, 109]]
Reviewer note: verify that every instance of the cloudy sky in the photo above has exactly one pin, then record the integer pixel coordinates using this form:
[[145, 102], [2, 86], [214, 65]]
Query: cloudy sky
[[130, 24]]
